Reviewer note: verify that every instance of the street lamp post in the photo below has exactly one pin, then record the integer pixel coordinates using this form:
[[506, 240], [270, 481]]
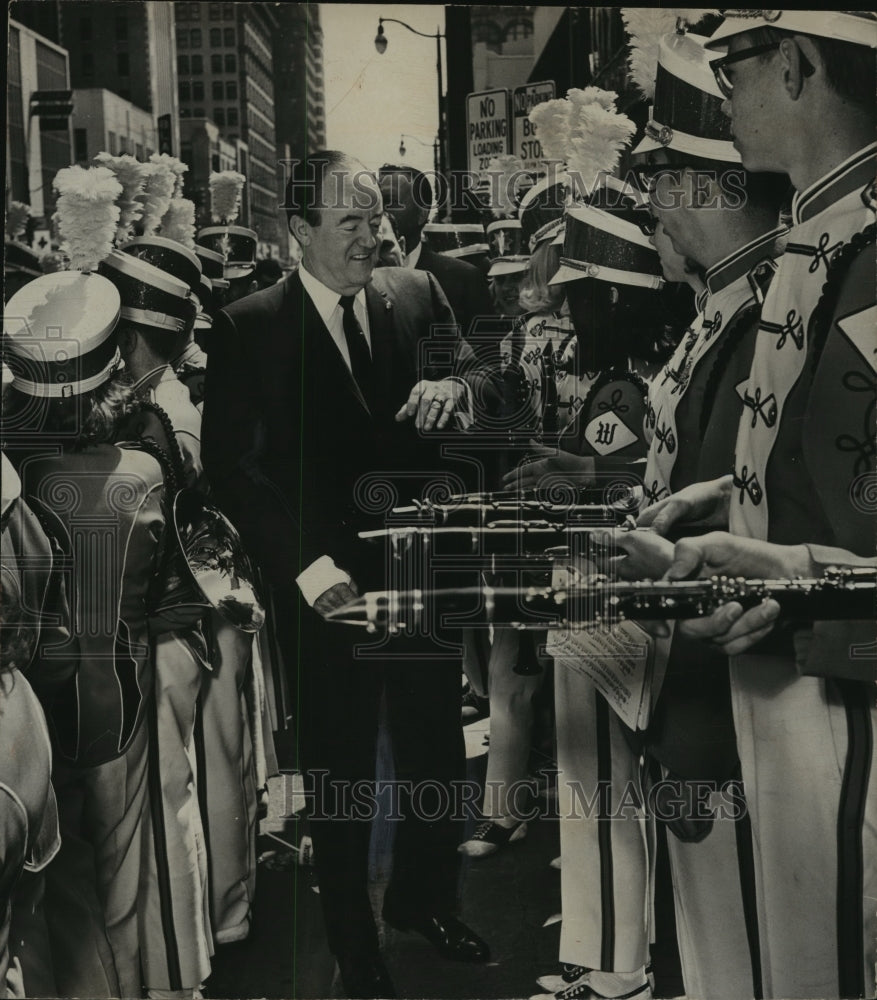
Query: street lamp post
[[434, 144], [381, 46]]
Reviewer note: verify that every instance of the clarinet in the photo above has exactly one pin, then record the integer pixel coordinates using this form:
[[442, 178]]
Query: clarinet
[[842, 593], [468, 513]]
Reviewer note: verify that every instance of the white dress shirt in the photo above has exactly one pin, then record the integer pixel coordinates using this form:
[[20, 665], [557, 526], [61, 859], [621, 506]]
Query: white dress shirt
[[322, 574], [328, 305]]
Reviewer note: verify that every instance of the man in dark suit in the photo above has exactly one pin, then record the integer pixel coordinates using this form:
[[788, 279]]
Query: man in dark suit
[[408, 198], [320, 390]]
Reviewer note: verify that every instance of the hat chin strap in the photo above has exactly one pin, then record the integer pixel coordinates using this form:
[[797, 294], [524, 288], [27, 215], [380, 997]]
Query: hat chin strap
[[694, 145], [64, 390], [146, 317], [613, 274]]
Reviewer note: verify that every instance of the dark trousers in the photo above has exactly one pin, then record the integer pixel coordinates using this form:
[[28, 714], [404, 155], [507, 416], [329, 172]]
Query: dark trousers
[[340, 691]]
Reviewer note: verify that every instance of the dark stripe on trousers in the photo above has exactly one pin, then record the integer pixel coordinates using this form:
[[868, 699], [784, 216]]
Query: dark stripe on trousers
[[156, 810], [604, 835], [201, 779], [746, 871], [851, 819]]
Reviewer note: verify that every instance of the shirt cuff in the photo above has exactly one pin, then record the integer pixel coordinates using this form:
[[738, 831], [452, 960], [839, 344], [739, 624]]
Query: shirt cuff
[[464, 412], [317, 578]]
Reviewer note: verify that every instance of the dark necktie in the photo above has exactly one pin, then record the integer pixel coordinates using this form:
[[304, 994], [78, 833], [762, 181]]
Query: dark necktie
[[357, 348]]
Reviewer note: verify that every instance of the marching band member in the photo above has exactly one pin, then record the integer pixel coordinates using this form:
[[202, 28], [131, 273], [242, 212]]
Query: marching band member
[[803, 705], [68, 392], [730, 233], [31, 580], [157, 315], [611, 276]]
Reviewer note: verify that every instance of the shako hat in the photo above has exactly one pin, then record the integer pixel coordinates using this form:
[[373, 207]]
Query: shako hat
[[19, 258], [541, 209], [212, 265], [57, 334], [687, 111], [607, 246], [150, 297], [168, 256], [203, 321], [857, 27], [508, 252], [236, 244], [455, 239]]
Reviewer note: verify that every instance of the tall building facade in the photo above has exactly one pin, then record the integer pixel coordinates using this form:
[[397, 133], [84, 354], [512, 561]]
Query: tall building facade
[[105, 122], [38, 108], [299, 89], [127, 47], [225, 68]]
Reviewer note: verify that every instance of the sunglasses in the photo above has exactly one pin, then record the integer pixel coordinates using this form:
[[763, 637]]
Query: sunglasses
[[719, 66]]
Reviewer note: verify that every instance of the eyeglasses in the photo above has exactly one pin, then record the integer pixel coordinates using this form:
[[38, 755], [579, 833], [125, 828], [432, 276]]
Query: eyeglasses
[[647, 175], [718, 66]]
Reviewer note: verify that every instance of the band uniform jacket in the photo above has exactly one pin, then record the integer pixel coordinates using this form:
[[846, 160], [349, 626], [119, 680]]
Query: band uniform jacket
[[95, 715]]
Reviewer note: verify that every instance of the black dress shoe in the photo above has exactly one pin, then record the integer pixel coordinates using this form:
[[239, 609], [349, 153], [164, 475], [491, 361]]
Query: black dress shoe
[[365, 977], [448, 935]]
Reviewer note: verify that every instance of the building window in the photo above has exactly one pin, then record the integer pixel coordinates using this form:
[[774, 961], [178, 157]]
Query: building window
[[197, 90], [232, 117], [123, 65], [215, 12], [229, 36], [182, 64], [184, 90], [216, 63], [184, 112], [197, 112], [217, 90], [80, 144], [197, 64], [195, 38], [231, 63], [84, 29], [228, 11], [215, 37], [182, 38], [111, 143], [219, 116], [231, 90], [121, 28], [138, 150], [518, 29], [123, 145]]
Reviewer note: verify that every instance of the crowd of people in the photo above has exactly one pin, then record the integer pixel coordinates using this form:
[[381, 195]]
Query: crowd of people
[[194, 441]]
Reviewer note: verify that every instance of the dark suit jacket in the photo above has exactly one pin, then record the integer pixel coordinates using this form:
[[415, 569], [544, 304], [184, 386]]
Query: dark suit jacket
[[465, 287], [290, 446]]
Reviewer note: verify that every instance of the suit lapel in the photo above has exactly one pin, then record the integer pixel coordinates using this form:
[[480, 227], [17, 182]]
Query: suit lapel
[[319, 345], [380, 323]]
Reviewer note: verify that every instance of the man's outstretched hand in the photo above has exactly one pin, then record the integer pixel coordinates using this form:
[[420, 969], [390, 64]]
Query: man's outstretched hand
[[432, 403]]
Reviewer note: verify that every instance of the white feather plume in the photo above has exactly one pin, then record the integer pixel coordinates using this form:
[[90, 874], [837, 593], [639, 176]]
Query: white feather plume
[[17, 215], [584, 131], [178, 222], [176, 165], [157, 193], [225, 195], [646, 27], [507, 178], [87, 214], [131, 174]]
